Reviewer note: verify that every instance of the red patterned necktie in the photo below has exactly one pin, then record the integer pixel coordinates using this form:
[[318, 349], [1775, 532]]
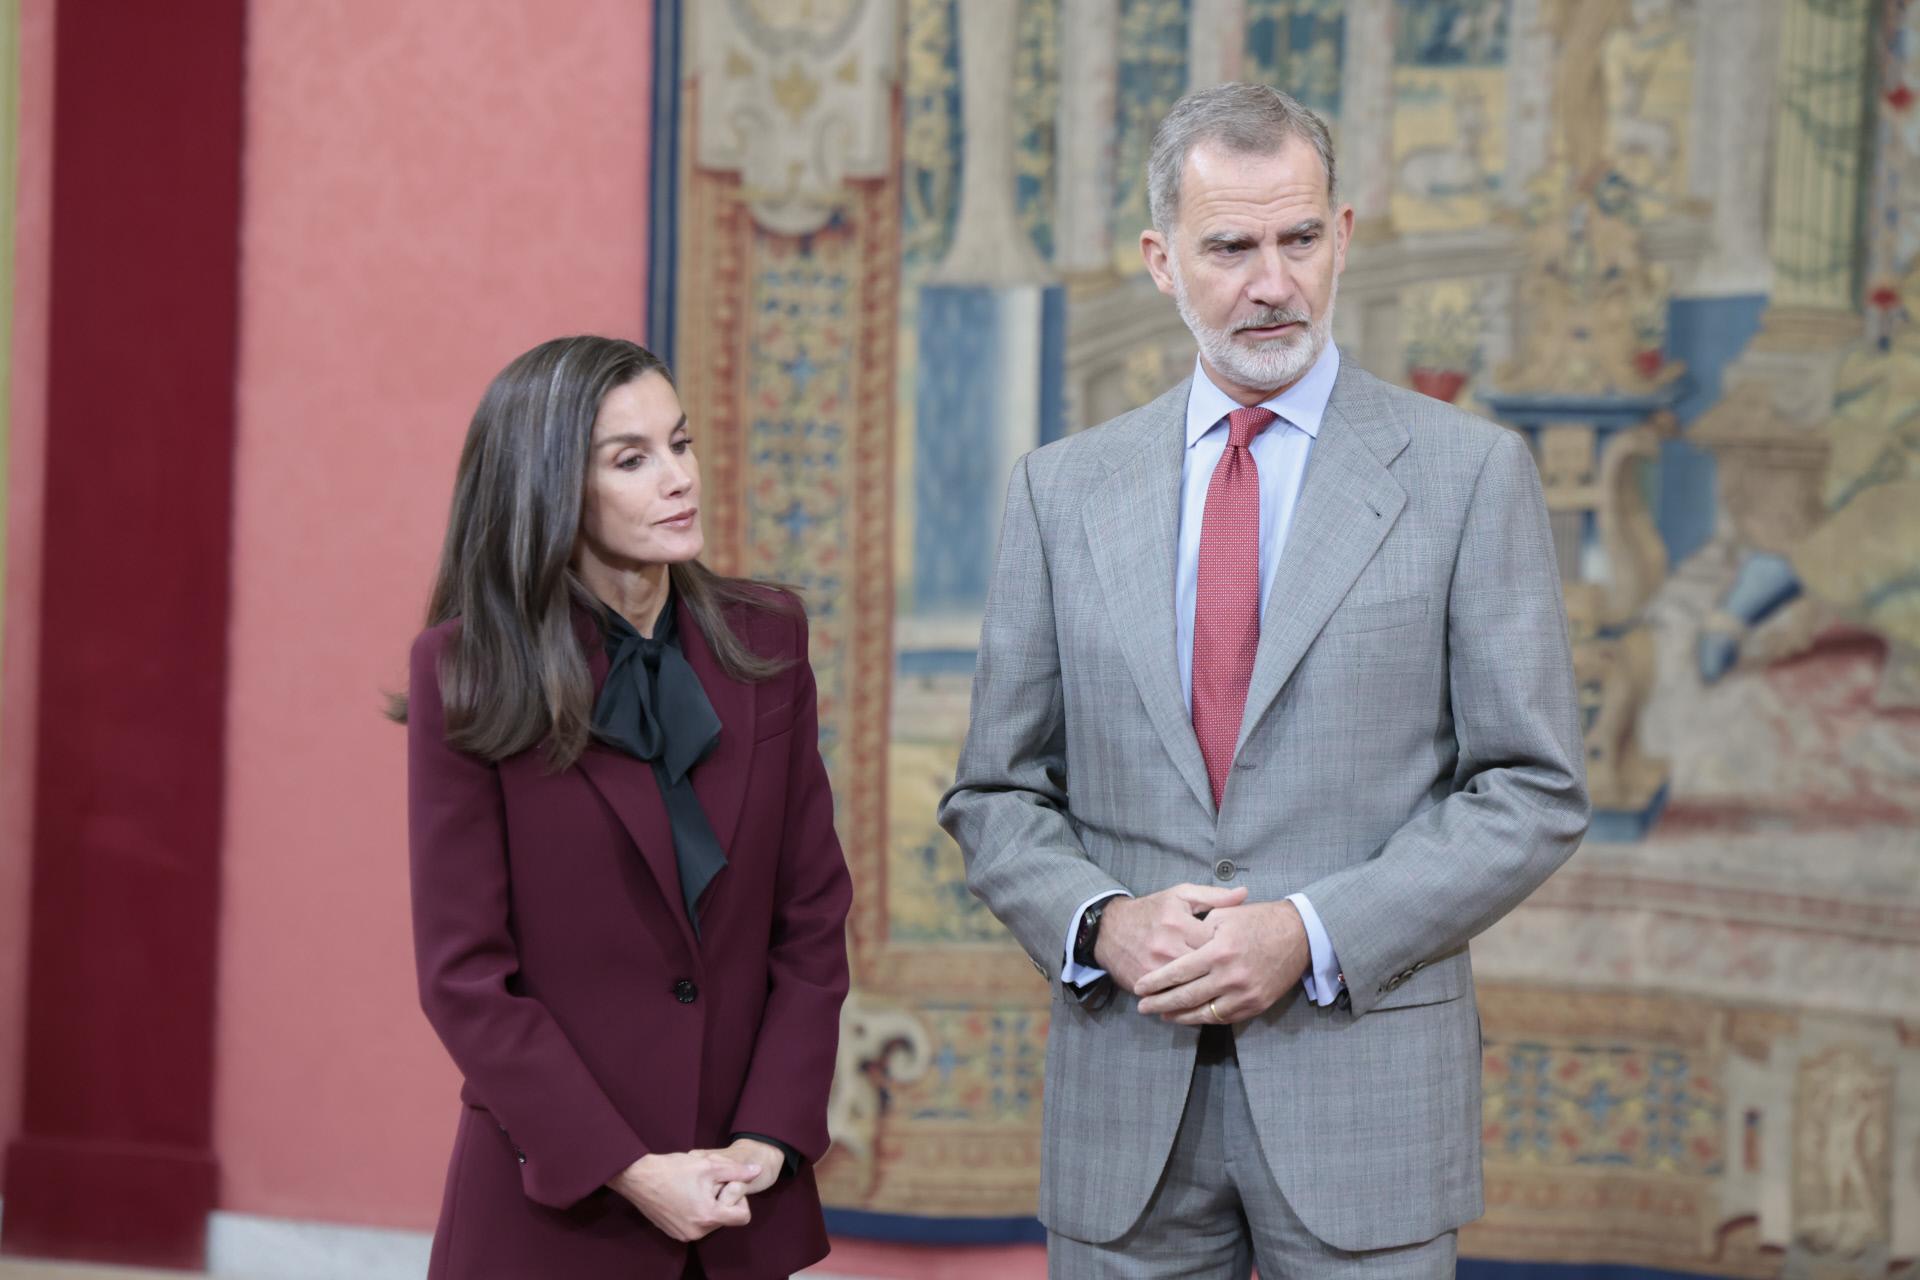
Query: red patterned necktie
[[1226, 613]]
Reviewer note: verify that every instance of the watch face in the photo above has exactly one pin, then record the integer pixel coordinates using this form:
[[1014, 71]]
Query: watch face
[[1089, 930]]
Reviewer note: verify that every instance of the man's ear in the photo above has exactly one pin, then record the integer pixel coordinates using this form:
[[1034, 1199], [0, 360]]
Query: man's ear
[[1157, 252]]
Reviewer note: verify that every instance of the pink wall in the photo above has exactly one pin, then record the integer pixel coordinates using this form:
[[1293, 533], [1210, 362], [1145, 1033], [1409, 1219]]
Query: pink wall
[[25, 469], [425, 198]]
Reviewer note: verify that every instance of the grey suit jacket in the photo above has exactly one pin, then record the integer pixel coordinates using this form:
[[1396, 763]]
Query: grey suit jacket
[[1410, 758]]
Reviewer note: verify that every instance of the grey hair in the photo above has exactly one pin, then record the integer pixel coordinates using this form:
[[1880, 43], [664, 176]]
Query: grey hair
[[1247, 119]]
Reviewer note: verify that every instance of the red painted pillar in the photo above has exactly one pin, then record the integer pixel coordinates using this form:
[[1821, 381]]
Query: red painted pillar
[[114, 1159]]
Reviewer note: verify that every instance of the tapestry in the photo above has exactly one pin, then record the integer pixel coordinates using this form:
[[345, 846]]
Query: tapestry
[[1672, 243]]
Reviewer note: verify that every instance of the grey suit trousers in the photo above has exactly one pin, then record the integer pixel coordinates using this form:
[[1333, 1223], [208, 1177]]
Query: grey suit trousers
[[1217, 1209]]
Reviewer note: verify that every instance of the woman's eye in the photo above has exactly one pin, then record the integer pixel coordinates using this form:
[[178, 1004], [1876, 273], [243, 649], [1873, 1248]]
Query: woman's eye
[[681, 446], [630, 462]]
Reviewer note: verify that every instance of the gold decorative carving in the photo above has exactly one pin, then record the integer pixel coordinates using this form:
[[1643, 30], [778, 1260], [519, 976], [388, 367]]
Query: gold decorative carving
[[1613, 653], [1770, 468], [879, 1044], [1591, 300], [796, 99], [796, 92]]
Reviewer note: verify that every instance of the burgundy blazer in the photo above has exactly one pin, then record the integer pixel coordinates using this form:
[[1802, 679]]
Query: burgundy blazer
[[558, 966]]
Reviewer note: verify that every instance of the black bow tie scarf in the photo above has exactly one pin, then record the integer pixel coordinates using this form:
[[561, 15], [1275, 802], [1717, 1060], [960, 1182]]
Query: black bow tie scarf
[[654, 709]]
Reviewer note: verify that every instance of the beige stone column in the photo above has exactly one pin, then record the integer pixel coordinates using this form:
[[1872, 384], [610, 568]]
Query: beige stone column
[[989, 245], [1815, 237], [1366, 119], [1083, 191], [1216, 32], [1530, 61], [1732, 124]]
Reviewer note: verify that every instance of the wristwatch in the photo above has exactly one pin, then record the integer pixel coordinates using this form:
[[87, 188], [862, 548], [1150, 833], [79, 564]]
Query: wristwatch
[[1089, 933]]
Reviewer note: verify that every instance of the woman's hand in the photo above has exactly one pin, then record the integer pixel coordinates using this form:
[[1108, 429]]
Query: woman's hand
[[691, 1194], [752, 1151]]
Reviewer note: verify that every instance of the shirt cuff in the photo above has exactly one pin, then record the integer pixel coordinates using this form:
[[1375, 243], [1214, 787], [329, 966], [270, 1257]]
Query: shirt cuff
[[1082, 975], [1322, 981]]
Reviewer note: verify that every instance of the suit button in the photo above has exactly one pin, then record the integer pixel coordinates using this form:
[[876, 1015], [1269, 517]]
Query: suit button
[[1224, 869], [519, 1155], [685, 992]]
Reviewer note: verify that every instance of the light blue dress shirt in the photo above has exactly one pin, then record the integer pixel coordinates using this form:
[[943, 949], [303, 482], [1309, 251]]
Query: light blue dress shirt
[[1280, 454]]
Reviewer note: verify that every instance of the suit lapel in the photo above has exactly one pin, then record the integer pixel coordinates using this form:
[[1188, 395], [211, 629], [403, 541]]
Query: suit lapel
[[720, 780], [1348, 502], [628, 787], [1133, 530]]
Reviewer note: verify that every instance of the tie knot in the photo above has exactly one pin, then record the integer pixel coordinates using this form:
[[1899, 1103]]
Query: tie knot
[[1244, 424]]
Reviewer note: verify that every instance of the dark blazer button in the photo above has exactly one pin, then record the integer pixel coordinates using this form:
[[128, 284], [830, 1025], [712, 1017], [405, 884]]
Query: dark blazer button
[[519, 1155], [685, 992], [1224, 869]]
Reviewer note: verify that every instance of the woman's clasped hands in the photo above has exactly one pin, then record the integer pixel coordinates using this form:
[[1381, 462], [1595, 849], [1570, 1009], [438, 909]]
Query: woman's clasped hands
[[691, 1194]]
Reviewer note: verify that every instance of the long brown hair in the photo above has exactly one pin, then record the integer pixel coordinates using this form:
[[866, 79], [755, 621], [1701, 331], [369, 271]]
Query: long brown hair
[[516, 673]]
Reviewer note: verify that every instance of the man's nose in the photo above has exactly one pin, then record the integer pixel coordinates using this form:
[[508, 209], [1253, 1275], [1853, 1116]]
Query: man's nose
[[1272, 284]]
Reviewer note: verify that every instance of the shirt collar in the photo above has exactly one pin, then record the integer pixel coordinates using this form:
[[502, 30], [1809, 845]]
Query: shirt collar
[[1303, 404]]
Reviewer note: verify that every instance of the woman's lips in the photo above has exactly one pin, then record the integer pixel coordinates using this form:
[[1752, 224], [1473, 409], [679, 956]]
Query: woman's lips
[[680, 521]]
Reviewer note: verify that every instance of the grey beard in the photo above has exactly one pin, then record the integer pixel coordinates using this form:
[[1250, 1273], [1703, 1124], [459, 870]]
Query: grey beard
[[1271, 364]]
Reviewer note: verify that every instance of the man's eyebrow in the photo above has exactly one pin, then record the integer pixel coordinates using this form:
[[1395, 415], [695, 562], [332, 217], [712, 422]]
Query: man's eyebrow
[[1235, 239]]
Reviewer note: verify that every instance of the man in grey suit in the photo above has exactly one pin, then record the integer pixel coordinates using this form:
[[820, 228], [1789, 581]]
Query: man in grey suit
[[1274, 711]]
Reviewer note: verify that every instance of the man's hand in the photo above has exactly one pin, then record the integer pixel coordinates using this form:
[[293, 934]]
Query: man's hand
[[751, 1151], [689, 1194], [1257, 953], [1140, 935]]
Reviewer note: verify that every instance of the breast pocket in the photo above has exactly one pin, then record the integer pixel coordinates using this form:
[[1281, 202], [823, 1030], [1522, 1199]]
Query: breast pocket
[[1381, 615]]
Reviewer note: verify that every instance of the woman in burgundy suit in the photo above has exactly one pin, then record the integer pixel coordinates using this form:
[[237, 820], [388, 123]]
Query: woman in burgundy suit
[[628, 899]]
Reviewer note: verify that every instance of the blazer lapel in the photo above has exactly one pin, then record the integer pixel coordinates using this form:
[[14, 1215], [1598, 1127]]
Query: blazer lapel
[[1348, 503], [628, 787], [720, 780], [1133, 530]]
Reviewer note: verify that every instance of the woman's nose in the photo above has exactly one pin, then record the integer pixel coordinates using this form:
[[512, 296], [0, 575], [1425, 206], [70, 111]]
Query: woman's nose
[[677, 476]]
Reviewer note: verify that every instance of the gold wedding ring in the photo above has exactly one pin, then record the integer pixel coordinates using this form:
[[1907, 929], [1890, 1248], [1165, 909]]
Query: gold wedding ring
[[1215, 1012]]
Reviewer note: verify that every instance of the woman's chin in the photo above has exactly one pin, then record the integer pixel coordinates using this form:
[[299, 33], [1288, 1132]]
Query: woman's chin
[[679, 548]]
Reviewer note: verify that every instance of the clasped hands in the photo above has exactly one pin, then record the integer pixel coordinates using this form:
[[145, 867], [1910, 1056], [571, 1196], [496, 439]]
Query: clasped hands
[[691, 1194], [1229, 967]]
